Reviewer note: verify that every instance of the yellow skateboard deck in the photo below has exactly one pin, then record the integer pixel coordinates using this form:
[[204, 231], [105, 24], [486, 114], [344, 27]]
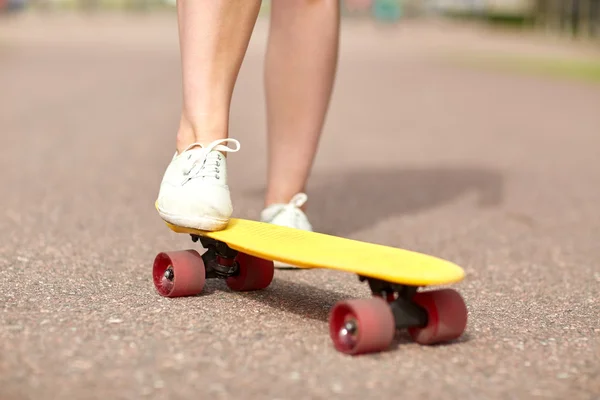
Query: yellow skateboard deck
[[243, 255], [317, 250]]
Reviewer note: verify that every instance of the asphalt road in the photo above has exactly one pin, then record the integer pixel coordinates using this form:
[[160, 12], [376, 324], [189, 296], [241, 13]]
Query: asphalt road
[[497, 172]]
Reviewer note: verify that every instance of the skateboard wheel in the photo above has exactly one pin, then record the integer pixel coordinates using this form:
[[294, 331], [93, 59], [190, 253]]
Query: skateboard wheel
[[447, 314], [179, 273], [254, 273], [361, 326]]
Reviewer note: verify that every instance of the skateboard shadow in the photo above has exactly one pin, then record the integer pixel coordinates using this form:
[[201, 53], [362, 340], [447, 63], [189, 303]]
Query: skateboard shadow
[[301, 299], [343, 203], [298, 298], [315, 303]]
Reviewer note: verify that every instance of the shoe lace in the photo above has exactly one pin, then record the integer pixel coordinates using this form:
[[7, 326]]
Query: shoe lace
[[200, 165], [297, 201], [293, 207]]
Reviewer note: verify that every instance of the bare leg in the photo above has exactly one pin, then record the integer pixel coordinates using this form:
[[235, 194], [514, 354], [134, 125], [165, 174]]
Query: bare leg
[[213, 37], [300, 69]]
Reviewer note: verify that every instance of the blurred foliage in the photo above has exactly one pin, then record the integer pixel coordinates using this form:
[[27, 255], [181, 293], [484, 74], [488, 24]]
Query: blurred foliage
[[573, 17], [581, 70]]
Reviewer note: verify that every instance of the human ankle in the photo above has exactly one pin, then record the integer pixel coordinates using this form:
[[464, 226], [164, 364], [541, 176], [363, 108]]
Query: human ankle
[[199, 130]]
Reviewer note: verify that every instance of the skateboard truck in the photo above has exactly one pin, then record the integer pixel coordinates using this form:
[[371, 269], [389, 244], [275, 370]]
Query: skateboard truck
[[407, 314], [219, 259]]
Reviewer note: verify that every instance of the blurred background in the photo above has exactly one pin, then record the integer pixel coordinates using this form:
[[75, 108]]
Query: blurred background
[[575, 17], [466, 129], [570, 23]]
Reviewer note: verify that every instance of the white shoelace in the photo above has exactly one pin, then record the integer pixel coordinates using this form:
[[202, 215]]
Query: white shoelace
[[293, 207], [297, 201], [199, 167]]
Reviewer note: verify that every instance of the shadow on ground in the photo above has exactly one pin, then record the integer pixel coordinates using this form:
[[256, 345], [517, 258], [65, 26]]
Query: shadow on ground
[[343, 203], [297, 298], [308, 301]]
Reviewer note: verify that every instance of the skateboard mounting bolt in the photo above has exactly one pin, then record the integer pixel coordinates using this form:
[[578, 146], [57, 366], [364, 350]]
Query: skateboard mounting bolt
[[347, 334], [169, 274], [349, 328]]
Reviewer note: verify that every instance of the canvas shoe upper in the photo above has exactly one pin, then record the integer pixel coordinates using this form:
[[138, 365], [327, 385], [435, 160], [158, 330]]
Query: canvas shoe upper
[[194, 191]]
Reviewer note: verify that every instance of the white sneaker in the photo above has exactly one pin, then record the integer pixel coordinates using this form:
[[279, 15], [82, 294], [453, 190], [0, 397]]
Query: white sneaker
[[289, 215], [194, 191]]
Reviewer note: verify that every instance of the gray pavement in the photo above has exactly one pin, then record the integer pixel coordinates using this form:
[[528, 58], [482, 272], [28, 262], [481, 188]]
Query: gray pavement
[[498, 172]]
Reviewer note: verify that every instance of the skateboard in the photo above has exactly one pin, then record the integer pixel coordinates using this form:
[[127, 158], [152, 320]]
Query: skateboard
[[243, 253]]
